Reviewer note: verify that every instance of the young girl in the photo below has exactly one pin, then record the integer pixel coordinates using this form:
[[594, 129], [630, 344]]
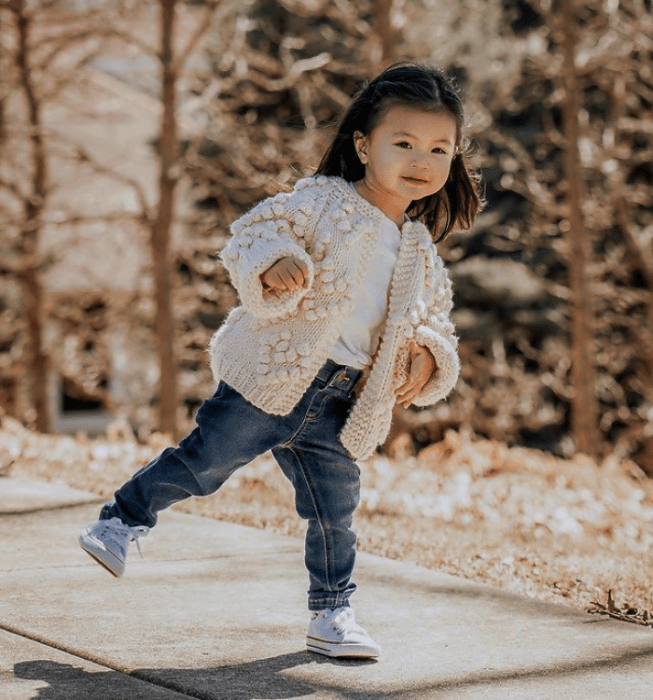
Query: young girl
[[345, 311]]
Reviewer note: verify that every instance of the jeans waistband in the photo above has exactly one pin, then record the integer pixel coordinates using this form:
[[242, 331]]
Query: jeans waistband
[[342, 376]]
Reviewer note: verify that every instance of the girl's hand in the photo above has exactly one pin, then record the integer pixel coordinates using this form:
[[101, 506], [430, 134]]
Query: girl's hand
[[286, 275], [422, 367]]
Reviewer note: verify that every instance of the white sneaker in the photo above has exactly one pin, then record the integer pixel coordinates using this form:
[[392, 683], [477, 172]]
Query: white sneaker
[[107, 541], [335, 633]]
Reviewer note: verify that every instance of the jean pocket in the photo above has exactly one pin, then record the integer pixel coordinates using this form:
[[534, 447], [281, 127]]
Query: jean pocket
[[332, 407]]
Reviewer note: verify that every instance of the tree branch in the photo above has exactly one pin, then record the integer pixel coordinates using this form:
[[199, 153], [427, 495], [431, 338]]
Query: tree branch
[[201, 29], [13, 188], [289, 80], [85, 157], [77, 219]]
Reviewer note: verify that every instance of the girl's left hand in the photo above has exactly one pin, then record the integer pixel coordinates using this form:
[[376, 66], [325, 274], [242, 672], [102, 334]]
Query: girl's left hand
[[422, 367]]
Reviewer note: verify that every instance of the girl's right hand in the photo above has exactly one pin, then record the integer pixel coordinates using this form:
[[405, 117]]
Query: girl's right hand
[[286, 275]]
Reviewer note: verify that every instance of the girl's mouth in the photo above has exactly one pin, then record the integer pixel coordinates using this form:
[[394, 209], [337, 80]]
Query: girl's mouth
[[415, 180]]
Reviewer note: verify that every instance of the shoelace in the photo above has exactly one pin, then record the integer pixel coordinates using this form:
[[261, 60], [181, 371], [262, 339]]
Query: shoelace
[[345, 621], [132, 532]]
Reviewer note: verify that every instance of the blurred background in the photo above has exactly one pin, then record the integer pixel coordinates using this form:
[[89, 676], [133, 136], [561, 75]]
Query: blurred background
[[133, 133]]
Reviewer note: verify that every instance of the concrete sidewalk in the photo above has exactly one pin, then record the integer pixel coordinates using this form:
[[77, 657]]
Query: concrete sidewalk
[[217, 611]]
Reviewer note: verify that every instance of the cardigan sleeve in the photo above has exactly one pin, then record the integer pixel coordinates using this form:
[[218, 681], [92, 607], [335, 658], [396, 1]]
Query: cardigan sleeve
[[435, 331], [272, 230]]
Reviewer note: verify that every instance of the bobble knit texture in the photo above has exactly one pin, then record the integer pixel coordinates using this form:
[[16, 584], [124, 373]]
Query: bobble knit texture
[[270, 350]]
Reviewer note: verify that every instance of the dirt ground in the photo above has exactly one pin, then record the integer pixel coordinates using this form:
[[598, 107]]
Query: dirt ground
[[558, 530]]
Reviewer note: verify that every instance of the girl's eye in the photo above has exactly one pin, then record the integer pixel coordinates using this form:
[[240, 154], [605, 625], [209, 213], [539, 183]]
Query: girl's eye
[[403, 144], [440, 151]]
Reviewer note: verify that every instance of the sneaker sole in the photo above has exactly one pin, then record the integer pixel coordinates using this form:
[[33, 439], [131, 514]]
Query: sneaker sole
[[105, 559], [334, 650]]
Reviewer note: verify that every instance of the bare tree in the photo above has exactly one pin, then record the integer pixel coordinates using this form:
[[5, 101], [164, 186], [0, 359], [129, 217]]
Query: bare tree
[[39, 35], [388, 34], [32, 195], [160, 227], [169, 170], [585, 404], [43, 34]]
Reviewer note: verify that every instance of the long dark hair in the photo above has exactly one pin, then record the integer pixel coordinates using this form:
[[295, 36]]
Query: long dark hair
[[458, 202]]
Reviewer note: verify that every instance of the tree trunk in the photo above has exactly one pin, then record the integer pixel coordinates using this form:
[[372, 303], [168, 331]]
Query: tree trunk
[[37, 363], [585, 406], [385, 30], [160, 230], [3, 121]]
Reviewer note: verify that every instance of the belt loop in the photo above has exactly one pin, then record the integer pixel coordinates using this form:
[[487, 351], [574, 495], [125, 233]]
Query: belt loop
[[341, 375]]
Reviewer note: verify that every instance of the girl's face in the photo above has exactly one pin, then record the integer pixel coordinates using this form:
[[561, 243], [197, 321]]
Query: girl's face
[[407, 156]]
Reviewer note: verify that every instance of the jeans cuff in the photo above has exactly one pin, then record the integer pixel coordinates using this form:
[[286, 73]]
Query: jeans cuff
[[330, 603]]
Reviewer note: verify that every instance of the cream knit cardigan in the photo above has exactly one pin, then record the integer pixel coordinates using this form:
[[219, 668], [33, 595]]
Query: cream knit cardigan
[[270, 350]]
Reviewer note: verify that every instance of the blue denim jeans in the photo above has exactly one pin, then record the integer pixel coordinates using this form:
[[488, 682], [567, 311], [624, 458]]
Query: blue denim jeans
[[230, 433]]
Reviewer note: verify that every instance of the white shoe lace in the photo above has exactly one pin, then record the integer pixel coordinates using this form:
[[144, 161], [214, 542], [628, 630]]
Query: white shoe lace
[[345, 621], [131, 532]]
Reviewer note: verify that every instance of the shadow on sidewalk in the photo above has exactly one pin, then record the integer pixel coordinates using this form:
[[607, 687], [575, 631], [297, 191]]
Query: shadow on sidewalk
[[260, 679]]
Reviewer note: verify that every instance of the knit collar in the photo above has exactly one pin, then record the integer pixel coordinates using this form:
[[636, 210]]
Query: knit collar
[[363, 206], [413, 230]]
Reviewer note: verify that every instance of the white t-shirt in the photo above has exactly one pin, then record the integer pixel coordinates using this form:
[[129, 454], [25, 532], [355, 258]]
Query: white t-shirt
[[362, 329]]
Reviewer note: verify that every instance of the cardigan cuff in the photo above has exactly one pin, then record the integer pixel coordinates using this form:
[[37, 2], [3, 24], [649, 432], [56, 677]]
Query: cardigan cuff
[[251, 288], [445, 378]]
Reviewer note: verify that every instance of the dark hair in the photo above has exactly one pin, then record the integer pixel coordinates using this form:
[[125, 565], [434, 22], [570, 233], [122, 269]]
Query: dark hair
[[458, 202]]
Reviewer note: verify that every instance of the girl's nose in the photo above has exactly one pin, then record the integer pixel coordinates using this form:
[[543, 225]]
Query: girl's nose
[[420, 162]]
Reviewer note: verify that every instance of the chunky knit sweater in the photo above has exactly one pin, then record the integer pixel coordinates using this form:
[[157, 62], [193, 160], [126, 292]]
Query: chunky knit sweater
[[270, 349]]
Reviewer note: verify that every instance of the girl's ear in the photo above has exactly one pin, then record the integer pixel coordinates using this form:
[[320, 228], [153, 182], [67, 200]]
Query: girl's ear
[[360, 144]]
